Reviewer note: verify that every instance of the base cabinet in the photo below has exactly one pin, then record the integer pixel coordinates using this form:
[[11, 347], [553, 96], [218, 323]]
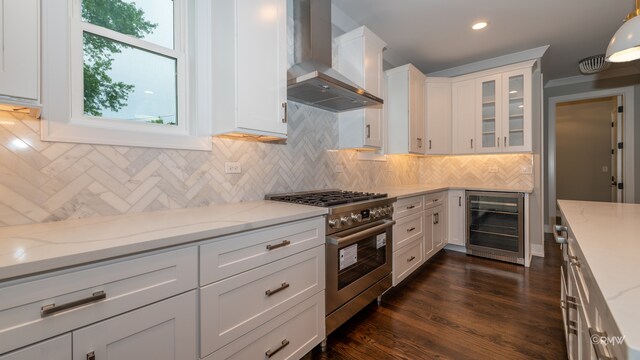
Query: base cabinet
[[456, 214], [58, 348]]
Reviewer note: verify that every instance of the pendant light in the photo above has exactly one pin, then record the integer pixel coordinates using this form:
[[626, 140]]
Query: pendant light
[[625, 44]]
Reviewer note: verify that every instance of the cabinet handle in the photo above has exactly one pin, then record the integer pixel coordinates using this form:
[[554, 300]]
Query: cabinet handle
[[572, 327], [436, 218], [286, 116], [368, 131], [410, 229], [556, 234], [598, 346], [505, 142], [498, 140], [283, 243], [91, 356], [459, 200], [419, 142], [51, 309], [472, 143], [411, 259], [429, 144], [274, 291], [410, 207], [574, 261], [270, 353]]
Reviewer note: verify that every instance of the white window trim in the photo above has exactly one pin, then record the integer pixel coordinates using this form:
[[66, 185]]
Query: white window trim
[[63, 117]]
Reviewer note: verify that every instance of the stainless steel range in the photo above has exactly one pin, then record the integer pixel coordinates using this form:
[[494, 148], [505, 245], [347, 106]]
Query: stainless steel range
[[358, 250]]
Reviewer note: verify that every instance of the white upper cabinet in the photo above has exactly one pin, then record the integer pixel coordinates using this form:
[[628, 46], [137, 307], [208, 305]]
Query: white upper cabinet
[[405, 106], [359, 58], [249, 80], [464, 116], [492, 110], [438, 122], [19, 50]]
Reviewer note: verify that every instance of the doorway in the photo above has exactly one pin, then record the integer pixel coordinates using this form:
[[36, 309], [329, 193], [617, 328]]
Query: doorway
[[588, 158]]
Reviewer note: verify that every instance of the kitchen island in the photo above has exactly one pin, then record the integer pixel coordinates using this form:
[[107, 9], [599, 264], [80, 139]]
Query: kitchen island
[[602, 254]]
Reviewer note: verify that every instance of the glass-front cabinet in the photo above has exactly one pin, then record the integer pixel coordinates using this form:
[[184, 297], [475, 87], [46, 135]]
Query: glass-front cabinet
[[488, 133]]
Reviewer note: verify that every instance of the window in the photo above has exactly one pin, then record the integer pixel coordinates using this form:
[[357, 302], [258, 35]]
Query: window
[[128, 73]]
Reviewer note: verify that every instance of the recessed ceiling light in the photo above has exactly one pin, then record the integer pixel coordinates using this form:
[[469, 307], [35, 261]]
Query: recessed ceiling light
[[479, 25]]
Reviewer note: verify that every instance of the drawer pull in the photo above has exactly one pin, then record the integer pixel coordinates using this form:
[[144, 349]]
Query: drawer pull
[[411, 207], [411, 259], [411, 229], [598, 346], [282, 287], [51, 309], [283, 243], [270, 353], [574, 261], [91, 356]]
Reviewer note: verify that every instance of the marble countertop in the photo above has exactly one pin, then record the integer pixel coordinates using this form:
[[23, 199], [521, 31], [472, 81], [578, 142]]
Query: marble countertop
[[403, 191], [609, 236], [30, 249]]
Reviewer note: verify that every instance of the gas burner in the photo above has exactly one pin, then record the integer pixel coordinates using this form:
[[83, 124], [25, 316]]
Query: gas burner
[[326, 198]]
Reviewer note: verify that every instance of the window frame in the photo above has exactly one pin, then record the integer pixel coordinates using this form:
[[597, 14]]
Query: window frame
[[63, 59]]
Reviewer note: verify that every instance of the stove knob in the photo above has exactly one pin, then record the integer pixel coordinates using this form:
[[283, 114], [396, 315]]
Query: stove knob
[[345, 220], [356, 218], [334, 223], [376, 212]]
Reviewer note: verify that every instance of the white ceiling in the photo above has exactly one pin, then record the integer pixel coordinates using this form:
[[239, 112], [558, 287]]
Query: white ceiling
[[436, 34]]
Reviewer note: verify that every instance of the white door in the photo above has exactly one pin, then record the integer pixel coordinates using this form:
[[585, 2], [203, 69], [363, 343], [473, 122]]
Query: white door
[[162, 331], [488, 107], [416, 113], [58, 348], [19, 44], [429, 247], [439, 221], [464, 117], [262, 65], [456, 217], [438, 116], [516, 111]]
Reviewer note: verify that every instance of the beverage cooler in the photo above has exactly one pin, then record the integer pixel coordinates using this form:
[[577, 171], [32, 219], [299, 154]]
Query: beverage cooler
[[495, 225]]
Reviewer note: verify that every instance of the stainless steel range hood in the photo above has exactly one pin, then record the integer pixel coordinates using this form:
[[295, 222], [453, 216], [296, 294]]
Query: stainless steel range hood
[[311, 80]]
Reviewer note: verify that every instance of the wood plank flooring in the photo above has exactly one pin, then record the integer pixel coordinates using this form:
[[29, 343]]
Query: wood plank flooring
[[461, 307]]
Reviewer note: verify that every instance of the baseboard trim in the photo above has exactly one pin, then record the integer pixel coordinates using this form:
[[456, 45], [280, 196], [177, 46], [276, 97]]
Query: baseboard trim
[[537, 250], [457, 248], [547, 228]]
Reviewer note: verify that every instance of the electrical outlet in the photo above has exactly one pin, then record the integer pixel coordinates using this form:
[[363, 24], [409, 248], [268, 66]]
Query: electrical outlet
[[232, 168], [526, 169], [493, 169]]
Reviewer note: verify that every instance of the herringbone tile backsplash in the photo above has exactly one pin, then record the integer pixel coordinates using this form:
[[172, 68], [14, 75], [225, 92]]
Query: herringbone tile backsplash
[[43, 181]]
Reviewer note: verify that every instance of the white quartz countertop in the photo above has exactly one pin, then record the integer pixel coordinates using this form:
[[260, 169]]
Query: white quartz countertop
[[404, 191], [609, 236], [30, 249]]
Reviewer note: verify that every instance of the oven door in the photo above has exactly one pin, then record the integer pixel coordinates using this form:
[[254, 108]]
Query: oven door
[[357, 259]]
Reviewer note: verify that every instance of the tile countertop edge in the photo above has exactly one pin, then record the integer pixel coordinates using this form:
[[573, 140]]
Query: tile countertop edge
[[405, 191], [591, 222], [51, 253]]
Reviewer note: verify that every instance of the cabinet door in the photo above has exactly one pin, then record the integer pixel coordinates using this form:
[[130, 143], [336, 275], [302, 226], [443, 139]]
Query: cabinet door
[[55, 349], [439, 227], [438, 116], [464, 117], [162, 331], [488, 106], [429, 241], [262, 64], [516, 110], [19, 48], [416, 112], [456, 217]]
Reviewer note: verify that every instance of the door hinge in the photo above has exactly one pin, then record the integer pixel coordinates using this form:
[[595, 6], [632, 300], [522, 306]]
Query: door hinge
[[620, 109], [620, 186], [620, 145]]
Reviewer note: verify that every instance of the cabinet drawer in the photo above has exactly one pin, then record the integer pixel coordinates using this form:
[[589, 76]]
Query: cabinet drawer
[[407, 259], [407, 206], [127, 284], [301, 328], [435, 199], [55, 349], [407, 229], [237, 253], [232, 307]]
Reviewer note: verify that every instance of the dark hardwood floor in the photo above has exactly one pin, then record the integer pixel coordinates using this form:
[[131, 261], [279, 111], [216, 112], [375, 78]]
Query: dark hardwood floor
[[461, 307]]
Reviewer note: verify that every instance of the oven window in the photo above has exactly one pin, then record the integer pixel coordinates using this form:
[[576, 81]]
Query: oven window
[[359, 259]]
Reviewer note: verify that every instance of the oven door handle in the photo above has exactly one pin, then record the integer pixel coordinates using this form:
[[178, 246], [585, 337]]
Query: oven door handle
[[353, 238]]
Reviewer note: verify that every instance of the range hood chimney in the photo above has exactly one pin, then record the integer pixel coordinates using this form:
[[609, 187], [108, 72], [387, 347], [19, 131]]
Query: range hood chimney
[[312, 80]]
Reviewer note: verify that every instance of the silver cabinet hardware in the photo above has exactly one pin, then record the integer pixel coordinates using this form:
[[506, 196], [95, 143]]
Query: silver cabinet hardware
[[368, 131], [411, 259], [561, 228], [556, 234], [459, 200], [275, 291], [505, 142], [498, 141], [410, 207], [574, 261], [598, 346], [411, 229], [436, 218], [429, 144], [91, 356], [282, 244], [51, 309], [283, 344], [419, 142], [286, 115]]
